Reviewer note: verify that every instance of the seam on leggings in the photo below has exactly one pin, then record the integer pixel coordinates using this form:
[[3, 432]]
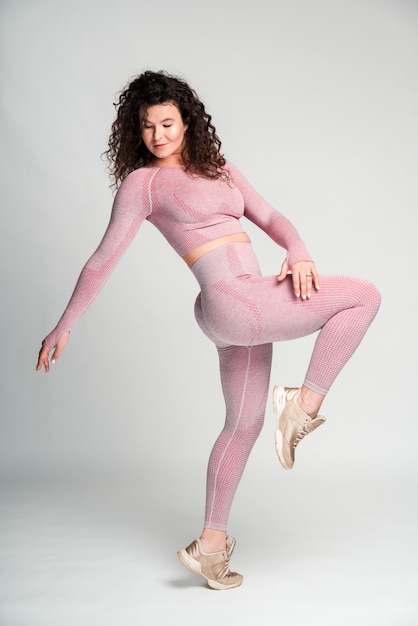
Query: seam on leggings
[[233, 433]]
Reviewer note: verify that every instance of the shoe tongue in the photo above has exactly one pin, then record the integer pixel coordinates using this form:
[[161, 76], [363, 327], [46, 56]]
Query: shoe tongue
[[316, 421], [230, 544]]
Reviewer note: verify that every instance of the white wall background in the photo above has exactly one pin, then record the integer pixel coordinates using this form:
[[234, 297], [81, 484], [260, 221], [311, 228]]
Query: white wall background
[[317, 103]]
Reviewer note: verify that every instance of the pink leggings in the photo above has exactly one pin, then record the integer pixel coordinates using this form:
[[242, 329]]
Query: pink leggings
[[243, 312]]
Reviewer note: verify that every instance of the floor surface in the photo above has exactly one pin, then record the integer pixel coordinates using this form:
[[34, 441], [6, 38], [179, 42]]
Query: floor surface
[[335, 552]]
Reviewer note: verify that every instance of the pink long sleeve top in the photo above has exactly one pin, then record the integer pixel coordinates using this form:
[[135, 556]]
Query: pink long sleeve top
[[189, 211]]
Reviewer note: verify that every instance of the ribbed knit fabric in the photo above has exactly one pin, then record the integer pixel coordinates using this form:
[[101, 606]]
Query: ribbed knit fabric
[[241, 311], [245, 376], [189, 211], [237, 306]]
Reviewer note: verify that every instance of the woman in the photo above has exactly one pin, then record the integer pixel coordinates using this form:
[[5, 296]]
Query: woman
[[166, 162]]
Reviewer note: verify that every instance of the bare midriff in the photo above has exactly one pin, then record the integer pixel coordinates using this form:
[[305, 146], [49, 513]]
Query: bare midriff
[[191, 257]]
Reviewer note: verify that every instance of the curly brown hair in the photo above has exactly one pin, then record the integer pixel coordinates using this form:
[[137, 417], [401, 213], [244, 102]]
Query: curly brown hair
[[126, 150]]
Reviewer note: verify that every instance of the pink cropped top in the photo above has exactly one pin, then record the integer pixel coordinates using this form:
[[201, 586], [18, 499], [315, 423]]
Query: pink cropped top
[[189, 211]]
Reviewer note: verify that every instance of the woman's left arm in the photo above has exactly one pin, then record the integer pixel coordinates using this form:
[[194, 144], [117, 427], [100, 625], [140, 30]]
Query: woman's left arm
[[298, 260]]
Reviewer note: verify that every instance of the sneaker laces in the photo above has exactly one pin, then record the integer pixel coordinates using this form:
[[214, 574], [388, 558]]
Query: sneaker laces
[[302, 432], [224, 571]]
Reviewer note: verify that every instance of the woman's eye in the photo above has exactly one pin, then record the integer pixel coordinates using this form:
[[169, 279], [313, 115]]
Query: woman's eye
[[167, 125]]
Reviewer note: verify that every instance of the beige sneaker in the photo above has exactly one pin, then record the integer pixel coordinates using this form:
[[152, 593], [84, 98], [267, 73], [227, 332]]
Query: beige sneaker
[[292, 423], [214, 567]]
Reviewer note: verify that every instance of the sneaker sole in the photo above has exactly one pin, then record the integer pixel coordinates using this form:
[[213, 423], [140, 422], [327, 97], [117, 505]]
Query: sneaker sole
[[279, 403], [194, 566]]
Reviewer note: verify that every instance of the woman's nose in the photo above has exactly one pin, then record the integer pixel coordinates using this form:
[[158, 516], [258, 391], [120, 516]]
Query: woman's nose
[[158, 132]]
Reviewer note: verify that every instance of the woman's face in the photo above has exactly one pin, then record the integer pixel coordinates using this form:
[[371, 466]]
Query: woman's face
[[162, 131]]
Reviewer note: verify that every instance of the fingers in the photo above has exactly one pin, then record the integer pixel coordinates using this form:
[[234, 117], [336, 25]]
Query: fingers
[[43, 358], [300, 286], [315, 278], [283, 271], [56, 353], [304, 277]]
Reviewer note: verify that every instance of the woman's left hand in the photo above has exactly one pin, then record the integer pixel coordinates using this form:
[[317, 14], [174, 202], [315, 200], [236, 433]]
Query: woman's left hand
[[304, 276]]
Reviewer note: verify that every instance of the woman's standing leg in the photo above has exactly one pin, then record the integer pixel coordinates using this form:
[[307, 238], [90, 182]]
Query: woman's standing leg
[[245, 377]]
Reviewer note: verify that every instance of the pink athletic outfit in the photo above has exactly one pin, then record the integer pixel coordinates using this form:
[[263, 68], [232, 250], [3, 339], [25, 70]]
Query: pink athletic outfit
[[240, 310]]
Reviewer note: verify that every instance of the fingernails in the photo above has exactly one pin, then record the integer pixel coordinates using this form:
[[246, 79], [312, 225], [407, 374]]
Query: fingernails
[[53, 361]]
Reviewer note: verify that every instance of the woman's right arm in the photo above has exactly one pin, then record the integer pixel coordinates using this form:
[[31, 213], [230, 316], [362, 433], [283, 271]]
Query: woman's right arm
[[130, 208]]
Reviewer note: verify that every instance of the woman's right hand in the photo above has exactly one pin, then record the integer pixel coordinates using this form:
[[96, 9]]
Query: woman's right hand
[[43, 358]]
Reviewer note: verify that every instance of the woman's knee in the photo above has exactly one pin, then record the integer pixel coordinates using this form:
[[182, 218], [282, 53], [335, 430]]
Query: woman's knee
[[372, 297]]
